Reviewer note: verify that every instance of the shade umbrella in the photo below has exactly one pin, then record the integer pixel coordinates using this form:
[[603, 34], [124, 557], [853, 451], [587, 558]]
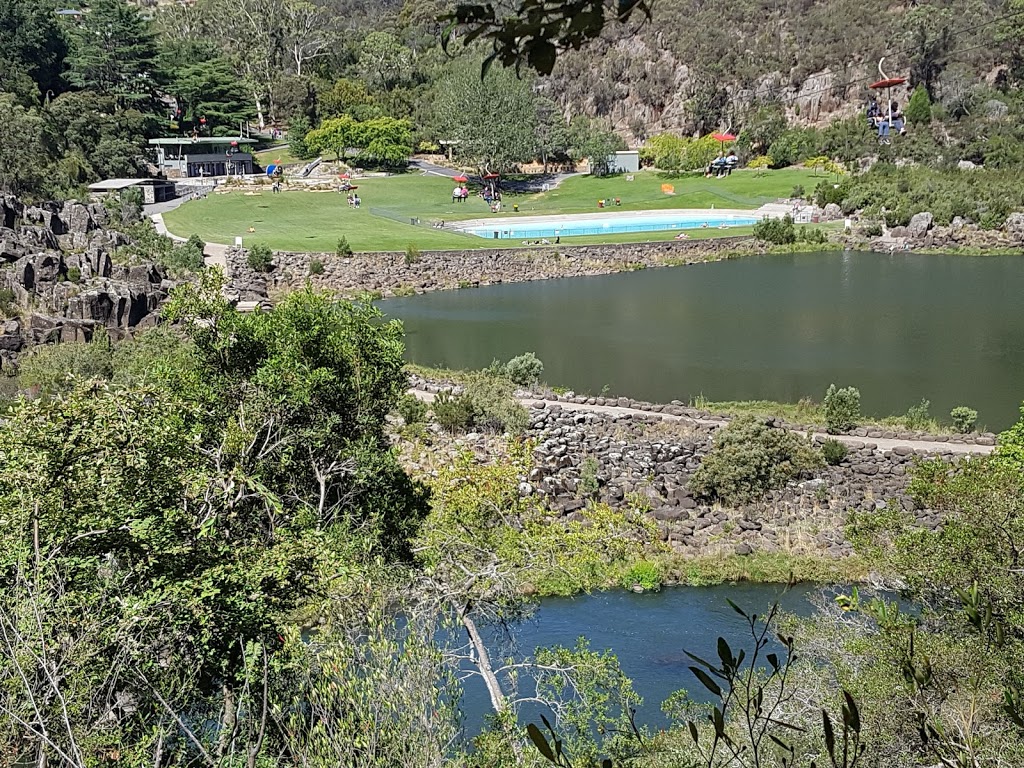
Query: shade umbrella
[[460, 179], [723, 137], [344, 176], [886, 84], [491, 177]]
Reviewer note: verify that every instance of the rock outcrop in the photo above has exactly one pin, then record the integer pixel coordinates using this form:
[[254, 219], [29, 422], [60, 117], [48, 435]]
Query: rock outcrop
[[60, 281]]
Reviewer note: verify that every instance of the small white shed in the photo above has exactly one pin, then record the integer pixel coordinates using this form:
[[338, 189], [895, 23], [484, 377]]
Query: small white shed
[[627, 161]]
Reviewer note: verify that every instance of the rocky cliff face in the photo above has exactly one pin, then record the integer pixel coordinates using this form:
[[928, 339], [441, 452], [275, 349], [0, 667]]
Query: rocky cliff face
[[59, 282]]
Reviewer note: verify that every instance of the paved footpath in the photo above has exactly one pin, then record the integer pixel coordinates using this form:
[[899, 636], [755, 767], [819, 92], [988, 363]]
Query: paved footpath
[[880, 444]]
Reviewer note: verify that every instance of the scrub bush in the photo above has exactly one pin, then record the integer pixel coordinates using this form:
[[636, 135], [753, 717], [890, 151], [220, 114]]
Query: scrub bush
[[776, 231], [453, 412], [411, 409], [260, 257], [964, 419], [486, 403], [316, 267], [842, 408], [833, 451], [344, 250], [644, 574], [917, 416], [748, 459], [494, 407], [524, 370]]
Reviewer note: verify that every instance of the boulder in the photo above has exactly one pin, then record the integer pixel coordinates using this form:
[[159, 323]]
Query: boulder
[[919, 225], [967, 165], [832, 212], [1014, 225], [77, 218]]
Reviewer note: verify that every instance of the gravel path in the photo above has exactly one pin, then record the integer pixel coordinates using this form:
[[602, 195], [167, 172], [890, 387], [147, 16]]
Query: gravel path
[[879, 444]]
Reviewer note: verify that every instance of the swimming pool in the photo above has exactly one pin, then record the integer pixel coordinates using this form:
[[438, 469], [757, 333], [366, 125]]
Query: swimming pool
[[508, 229]]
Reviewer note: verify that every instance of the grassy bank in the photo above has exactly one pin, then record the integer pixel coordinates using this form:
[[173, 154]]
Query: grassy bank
[[303, 220]]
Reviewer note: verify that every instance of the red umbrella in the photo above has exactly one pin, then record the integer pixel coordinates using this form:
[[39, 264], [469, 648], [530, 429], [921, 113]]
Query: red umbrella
[[460, 179], [344, 176], [723, 137], [490, 175], [889, 82]]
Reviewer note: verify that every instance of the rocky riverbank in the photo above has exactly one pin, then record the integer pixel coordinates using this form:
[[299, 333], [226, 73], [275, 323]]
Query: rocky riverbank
[[640, 457]]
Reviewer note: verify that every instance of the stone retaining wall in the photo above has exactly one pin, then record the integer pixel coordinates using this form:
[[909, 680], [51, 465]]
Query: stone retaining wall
[[399, 273], [641, 455]]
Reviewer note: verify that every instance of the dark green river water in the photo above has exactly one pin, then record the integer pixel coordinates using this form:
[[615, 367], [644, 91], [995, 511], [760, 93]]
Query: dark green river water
[[899, 327]]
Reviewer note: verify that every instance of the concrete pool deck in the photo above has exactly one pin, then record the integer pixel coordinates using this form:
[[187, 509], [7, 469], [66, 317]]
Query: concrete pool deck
[[772, 210]]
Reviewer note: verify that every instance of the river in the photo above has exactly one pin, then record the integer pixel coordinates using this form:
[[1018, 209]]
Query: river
[[900, 327], [649, 633]]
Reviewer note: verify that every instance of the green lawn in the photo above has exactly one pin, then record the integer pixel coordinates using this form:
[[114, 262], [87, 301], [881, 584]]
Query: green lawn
[[314, 221]]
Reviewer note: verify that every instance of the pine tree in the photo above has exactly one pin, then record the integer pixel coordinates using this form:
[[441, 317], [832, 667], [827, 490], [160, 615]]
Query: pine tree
[[114, 52]]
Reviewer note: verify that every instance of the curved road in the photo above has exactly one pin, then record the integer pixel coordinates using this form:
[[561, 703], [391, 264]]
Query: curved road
[[880, 444]]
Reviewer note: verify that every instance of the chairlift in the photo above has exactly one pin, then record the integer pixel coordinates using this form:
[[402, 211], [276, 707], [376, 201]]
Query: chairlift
[[886, 84]]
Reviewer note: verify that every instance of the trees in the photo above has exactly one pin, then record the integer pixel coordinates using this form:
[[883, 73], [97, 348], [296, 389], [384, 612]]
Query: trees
[[23, 151], [259, 444], [592, 140], [385, 62], [114, 52], [32, 50], [382, 140], [208, 88], [334, 135], [493, 118]]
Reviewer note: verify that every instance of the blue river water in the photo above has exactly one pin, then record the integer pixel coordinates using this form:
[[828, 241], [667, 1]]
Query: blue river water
[[649, 633]]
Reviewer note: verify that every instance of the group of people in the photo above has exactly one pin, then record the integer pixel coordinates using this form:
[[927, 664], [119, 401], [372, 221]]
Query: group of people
[[722, 165], [886, 121], [602, 203], [460, 193], [353, 199]]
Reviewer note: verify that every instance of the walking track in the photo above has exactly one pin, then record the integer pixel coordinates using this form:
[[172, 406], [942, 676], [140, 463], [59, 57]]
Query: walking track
[[880, 444]]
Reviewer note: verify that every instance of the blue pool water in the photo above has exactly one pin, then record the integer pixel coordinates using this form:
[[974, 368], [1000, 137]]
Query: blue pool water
[[503, 230]]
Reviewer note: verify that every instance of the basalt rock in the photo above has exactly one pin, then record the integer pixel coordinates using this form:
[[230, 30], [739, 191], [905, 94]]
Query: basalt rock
[[56, 258]]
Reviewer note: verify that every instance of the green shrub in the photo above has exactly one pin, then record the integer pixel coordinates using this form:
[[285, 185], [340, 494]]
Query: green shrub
[[872, 229], [260, 257], [453, 412], [524, 370], [48, 367], [486, 404], [412, 254], [494, 407], [798, 191], [643, 574], [316, 267], [749, 458], [919, 108], [588, 486], [411, 409], [833, 451], [813, 235], [344, 250], [842, 408], [964, 419], [6, 301], [74, 274], [776, 231], [917, 416]]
